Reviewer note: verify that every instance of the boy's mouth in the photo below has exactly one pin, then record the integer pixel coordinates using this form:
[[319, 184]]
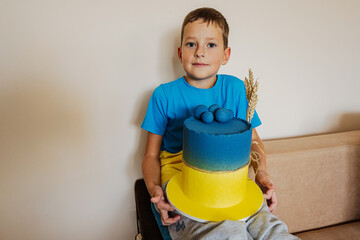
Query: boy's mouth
[[197, 64]]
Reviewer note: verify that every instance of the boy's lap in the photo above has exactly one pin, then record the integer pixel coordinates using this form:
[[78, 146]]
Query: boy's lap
[[189, 229], [262, 225]]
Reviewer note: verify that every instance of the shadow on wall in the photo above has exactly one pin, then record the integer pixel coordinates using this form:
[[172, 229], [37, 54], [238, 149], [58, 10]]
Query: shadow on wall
[[141, 105], [347, 122], [41, 125], [38, 119]]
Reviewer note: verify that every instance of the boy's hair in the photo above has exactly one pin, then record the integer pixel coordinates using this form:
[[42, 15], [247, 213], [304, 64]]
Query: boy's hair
[[208, 15]]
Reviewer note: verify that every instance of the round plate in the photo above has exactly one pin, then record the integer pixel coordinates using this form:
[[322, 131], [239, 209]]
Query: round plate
[[196, 211]]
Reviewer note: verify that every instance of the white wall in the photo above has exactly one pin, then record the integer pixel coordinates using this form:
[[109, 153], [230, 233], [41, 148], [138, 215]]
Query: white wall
[[76, 77]]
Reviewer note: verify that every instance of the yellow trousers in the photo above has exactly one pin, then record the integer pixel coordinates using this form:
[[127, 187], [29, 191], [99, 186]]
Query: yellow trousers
[[171, 164]]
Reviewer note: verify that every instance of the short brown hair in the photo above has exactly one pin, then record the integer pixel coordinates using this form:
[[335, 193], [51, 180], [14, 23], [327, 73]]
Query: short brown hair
[[208, 15]]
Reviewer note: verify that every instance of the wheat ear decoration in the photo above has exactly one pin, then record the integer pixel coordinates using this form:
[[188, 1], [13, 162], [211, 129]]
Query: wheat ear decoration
[[251, 77], [248, 88], [251, 108], [251, 95]]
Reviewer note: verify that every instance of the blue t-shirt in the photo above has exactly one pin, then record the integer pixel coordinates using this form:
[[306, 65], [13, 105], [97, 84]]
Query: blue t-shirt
[[171, 103]]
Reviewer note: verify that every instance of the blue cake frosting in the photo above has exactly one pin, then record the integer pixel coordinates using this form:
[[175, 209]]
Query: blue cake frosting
[[216, 146]]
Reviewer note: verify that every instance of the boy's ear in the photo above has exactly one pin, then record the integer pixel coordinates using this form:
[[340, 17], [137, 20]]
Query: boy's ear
[[180, 54], [227, 53]]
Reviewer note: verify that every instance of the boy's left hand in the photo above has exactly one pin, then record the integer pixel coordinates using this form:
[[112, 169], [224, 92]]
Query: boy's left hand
[[264, 181]]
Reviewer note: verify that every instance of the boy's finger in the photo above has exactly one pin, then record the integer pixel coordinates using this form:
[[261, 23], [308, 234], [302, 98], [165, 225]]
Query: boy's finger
[[173, 220], [158, 196], [268, 183], [273, 203], [272, 207], [269, 193], [165, 206], [156, 199], [164, 216], [169, 221]]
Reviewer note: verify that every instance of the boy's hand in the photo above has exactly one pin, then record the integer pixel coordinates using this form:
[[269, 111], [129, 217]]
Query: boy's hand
[[264, 181], [159, 200]]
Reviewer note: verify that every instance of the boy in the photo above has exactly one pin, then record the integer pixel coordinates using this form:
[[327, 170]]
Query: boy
[[204, 48]]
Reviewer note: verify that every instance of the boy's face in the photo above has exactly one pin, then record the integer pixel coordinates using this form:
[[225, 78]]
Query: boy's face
[[202, 53]]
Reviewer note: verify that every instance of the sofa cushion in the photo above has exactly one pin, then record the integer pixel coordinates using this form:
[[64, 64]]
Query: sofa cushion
[[316, 179], [343, 231]]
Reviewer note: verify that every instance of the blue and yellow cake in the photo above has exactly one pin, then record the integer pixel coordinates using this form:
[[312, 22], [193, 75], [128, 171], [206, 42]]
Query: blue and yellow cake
[[214, 183]]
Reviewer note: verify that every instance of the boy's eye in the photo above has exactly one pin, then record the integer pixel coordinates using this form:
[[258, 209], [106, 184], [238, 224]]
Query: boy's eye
[[211, 45], [190, 44]]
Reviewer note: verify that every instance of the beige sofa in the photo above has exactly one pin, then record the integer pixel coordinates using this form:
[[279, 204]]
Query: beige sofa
[[318, 184]]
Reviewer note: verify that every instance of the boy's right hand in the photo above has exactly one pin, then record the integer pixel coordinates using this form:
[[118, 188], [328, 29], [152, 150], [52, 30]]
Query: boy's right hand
[[159, 200]]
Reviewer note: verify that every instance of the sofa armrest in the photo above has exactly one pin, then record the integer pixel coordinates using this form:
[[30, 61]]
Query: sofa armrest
[[316, 179]]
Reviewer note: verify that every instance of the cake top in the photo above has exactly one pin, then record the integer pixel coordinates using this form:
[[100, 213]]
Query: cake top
[[215, 120], [233, 126]]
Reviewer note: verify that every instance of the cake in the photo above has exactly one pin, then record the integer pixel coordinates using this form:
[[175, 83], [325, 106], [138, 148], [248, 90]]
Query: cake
[[214, 184]]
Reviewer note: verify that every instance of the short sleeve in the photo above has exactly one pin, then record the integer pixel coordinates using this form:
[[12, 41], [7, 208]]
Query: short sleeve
[[155, 120], [255, 121]]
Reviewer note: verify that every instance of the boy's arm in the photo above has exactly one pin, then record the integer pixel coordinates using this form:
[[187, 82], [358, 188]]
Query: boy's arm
[[151, 162], [263, 178], [151, 172]]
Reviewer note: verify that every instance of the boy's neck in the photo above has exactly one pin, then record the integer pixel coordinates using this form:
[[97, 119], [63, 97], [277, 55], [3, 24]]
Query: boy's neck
[[203, 83]]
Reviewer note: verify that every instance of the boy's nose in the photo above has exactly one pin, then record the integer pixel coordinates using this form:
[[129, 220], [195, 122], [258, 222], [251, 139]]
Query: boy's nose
[[199, 52]]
